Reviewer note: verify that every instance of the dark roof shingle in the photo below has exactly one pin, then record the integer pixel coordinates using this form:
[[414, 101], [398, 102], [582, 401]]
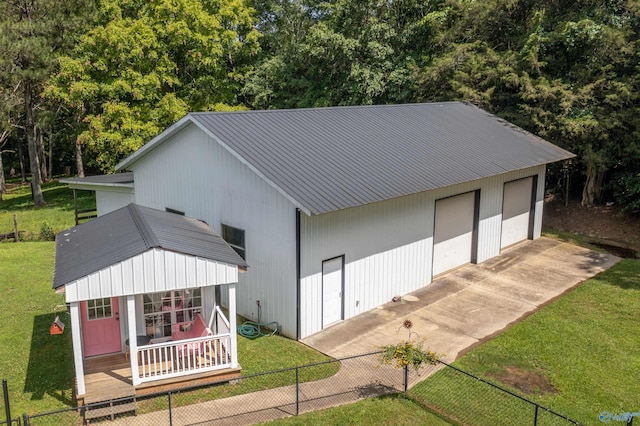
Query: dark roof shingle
[[128, 232]]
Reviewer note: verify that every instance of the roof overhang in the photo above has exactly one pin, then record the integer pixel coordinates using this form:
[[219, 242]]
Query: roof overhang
[[153, 271], [120, 182]]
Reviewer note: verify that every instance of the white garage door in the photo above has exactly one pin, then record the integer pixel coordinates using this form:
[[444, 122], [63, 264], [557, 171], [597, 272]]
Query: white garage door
[[331, 291], [516, 211], [453, 232]]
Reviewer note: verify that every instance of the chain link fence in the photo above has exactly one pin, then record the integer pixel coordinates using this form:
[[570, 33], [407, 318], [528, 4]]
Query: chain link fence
[[257, 398], [471, 400]]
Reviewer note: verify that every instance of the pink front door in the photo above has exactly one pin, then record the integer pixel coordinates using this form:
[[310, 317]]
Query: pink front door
[[100, 326]]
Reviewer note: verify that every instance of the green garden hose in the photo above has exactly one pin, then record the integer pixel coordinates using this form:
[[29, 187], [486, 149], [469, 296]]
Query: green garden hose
[[253, 330]]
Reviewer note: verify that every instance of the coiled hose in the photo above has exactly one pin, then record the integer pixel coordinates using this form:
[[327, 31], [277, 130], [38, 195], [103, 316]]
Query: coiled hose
[[253, 330]]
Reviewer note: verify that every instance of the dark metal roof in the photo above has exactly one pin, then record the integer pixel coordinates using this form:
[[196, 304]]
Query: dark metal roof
[[130, 231], [327, 159], [114, 179]]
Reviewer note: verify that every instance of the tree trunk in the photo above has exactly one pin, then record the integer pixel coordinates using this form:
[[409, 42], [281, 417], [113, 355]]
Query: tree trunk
[[23, 171], [3, 188], [50, 171], [79, 165], [42, 158], [36, 190], [592, 187]]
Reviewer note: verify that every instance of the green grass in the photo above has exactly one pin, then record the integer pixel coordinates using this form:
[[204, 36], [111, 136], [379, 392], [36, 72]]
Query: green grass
[[57, 214], [585, 344], [392, 409], [38, 367]]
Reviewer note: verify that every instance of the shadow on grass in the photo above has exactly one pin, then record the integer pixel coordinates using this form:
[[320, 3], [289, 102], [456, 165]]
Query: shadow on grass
[[55, 194], [625, 275], [50, 369]]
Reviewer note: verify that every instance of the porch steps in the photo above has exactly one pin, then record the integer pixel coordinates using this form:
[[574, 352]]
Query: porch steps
[[110, 410]]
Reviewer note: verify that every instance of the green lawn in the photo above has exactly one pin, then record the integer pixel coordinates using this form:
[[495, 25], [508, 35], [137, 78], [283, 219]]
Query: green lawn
[[386, 410], [585, 345], [56, 215]]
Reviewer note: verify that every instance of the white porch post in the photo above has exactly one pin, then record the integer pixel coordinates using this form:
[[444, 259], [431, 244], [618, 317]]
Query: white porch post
[[133, 341], [76, 337], [233, 326]]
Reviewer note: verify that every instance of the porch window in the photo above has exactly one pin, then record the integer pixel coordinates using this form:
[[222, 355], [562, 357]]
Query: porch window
[[235, 238], [99, 308], [162, 311]]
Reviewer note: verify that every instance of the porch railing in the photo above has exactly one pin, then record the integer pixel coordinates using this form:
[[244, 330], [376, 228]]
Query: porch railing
[[188, 356], [220, 322], [177, 358]]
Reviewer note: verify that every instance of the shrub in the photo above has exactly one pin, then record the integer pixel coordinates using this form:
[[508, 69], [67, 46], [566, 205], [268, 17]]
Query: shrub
[[46, 232], [408, 352]]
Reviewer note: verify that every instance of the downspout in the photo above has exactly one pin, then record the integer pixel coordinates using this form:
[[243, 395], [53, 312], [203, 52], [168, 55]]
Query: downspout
[[297, 274]]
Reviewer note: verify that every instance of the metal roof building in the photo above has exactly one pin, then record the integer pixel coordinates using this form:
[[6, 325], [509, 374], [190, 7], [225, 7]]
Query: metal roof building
[[338, 210]]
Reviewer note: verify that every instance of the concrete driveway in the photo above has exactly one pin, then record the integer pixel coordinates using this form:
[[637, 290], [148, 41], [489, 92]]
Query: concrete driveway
[[470, 304]]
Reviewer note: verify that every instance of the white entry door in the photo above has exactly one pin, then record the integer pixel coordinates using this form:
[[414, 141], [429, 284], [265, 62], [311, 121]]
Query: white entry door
[[516, 211], [453, 232], [332, 289]]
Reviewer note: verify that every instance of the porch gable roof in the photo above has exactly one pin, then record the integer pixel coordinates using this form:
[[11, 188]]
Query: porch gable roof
[[126, 234]]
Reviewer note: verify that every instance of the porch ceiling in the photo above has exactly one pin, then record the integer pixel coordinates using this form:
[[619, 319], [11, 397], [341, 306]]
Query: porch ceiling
[[136, 250]]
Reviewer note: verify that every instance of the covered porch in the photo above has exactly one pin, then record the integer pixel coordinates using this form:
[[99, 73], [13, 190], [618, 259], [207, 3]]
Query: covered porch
[[143, 285]]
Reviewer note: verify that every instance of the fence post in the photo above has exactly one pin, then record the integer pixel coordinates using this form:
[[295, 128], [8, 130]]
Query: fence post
[[5, 393], [25, 419], [170, 412], [297, 390], [535, 416], [406, 379]]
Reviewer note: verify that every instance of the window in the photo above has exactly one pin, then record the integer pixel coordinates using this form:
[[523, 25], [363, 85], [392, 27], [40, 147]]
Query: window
[[163, 311], [235, 238], [99, 308]]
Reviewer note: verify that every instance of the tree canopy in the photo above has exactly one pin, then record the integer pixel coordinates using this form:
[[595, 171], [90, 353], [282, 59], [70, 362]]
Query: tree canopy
[[568, 72], [145, 64]]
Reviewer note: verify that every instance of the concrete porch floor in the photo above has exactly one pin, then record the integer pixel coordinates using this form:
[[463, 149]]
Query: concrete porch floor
[[470, 304]]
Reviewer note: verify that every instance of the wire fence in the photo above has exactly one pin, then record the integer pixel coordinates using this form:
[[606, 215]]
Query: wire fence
[[263, 397], [471, 400]]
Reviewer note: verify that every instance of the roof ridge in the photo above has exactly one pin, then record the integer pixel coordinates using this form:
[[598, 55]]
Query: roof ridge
[[324, 108], [148, 236]]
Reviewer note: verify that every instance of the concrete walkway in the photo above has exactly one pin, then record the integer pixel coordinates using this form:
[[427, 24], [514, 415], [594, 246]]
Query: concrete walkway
[[471, 304], [455, 312]]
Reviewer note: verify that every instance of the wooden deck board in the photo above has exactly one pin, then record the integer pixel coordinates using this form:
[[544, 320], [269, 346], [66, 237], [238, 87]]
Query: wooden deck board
[[109, 377]]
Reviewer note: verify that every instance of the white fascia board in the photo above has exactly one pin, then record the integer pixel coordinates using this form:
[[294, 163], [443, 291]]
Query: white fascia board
[[154, 143], [93, 186]]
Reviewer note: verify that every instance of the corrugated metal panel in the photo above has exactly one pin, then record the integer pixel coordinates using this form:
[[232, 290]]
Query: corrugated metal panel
[[108, 200], [129, 231], [388, 246], [115, 280], [329, 159], [193, 174]]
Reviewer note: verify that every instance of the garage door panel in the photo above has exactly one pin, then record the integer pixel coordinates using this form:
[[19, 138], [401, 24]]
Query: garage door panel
[[516, 211], [453, 232]]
